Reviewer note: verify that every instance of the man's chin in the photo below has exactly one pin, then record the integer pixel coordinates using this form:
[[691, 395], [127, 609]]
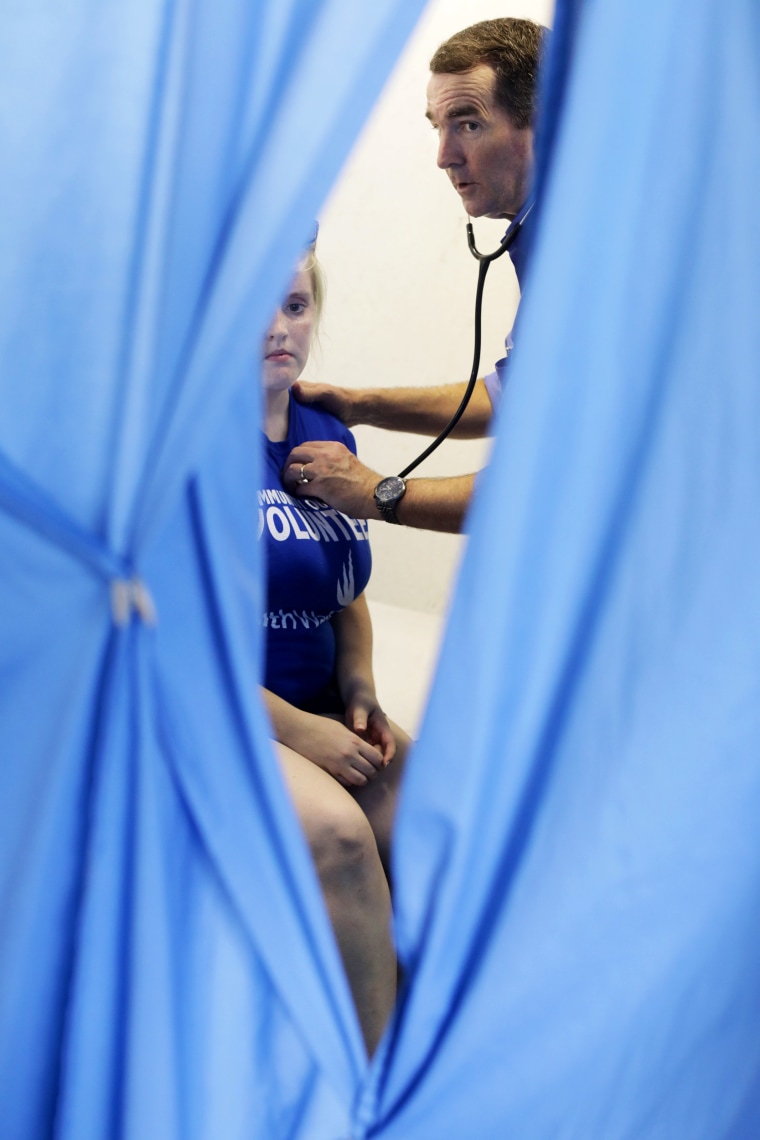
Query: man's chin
[[478, 209], [472, 206], [498, 213]]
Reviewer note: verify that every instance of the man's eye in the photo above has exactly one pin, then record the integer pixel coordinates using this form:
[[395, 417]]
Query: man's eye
[[470, 128]]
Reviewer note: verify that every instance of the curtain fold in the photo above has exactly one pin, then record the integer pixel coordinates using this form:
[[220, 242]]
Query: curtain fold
[[168, 966], [576, 859], [576, 865]]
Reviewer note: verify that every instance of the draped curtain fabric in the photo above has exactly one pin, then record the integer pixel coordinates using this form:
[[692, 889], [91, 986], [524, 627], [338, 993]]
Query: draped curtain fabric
[[577, 863], [167, 966]]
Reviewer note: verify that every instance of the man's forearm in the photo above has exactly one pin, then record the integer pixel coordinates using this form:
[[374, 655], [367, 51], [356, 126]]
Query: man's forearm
[[427, 504], [327, 470], [436, 504], [423, 410]]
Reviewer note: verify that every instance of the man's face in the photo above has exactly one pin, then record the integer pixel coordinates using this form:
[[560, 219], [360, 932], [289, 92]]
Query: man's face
[[487, 158]]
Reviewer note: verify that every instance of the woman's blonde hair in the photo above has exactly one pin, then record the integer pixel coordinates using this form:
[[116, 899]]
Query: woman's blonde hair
[[310, 265]]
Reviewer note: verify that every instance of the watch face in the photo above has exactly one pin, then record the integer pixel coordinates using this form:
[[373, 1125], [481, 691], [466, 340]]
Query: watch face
[[390, 489]]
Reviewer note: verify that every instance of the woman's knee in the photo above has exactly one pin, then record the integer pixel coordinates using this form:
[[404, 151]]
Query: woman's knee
[[342, 842]]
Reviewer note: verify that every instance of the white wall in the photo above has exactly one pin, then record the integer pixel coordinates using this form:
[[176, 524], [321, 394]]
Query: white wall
[[401, 291]]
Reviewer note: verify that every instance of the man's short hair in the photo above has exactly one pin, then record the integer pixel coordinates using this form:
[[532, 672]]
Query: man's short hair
[[512, 48]]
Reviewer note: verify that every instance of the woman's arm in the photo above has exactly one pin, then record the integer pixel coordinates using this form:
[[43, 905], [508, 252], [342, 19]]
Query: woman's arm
[[347, 755], [356, 682]]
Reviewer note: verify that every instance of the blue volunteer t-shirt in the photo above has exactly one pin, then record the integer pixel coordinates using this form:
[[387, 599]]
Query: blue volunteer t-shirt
[[318, 561]]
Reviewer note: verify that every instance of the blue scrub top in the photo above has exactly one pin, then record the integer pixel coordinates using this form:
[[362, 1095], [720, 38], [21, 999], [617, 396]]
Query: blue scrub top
[[519, 253]]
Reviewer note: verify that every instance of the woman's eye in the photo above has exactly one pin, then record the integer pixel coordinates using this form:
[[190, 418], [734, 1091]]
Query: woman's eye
[[295, 307]]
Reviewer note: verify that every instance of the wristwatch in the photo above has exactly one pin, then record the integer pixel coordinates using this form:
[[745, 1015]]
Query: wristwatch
[[388, 493]]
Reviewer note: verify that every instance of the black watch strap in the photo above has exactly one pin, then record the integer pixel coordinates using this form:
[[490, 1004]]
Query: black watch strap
[[388, 511]]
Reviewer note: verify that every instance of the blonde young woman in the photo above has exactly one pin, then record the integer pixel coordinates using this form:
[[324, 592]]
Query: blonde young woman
[[341, 756]]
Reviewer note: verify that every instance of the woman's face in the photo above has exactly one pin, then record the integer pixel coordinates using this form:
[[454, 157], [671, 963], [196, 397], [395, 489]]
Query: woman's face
[[288, 339]]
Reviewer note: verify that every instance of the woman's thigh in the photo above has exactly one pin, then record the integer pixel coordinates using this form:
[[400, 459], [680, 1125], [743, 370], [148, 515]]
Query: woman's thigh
[[330, 816], [329, 812]]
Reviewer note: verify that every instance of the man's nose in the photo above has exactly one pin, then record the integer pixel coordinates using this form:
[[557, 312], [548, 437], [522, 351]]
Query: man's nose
[[448, 152]]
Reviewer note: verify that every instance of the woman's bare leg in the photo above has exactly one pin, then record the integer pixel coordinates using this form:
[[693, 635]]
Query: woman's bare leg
[[354, 884], [378, 798]]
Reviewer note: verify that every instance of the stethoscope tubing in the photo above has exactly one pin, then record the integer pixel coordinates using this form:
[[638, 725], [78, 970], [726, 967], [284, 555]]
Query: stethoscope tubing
[[484, 261]]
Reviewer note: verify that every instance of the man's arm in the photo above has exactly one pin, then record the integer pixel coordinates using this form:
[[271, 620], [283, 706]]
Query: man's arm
[[436, 504], [424, 411], [335, 475]]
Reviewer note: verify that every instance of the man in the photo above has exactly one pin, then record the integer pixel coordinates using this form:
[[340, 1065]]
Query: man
[[481, 101]]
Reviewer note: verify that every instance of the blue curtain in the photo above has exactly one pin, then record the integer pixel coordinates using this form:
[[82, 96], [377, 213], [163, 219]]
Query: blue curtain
[[168, 970], [577, 863], [577, 866]]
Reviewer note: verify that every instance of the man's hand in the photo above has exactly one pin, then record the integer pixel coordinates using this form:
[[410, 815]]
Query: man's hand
[[339, 402], [334, 475]]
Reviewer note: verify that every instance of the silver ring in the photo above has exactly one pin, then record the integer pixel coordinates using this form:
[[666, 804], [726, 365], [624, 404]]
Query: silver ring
[[303, 478]]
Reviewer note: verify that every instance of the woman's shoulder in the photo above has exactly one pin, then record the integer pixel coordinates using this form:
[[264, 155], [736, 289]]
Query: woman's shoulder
[[308, 421]]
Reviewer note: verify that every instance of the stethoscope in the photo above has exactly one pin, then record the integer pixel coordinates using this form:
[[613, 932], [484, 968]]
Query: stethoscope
[[484, 260]]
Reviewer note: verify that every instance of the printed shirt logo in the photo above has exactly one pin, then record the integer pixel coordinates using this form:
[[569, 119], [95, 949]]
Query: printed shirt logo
[[295, 618], [346, 584], [310, 519]]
